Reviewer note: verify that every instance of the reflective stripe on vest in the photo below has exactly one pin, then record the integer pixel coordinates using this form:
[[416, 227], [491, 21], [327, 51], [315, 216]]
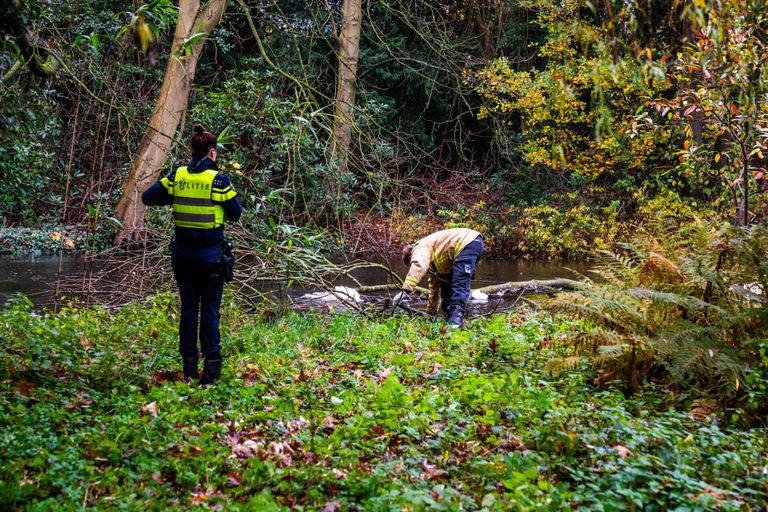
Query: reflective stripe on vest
[[192, 204]]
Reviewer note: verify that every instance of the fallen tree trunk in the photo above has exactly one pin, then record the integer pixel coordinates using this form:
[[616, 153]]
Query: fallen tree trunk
[[533, 284], [508, 287]]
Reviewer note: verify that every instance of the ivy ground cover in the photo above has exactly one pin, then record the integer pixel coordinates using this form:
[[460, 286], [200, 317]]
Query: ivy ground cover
[[343, 413]]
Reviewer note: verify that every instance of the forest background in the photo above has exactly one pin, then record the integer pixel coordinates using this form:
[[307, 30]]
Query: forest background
[[553, 127], [630, 132]]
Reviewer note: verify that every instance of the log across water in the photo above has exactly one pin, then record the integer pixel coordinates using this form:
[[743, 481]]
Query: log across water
[[496, 289]]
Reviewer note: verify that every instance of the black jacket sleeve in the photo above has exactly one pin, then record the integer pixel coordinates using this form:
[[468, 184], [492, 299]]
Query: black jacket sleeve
[[157, 194], [232, 209]]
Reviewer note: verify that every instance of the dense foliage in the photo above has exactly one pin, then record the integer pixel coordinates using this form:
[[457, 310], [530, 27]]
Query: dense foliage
[[633, 130], [332, 413], [528, 115], [684, 306]]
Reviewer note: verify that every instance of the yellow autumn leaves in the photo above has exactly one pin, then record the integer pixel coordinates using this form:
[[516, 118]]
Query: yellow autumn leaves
[[232, 167], [142, 33], [66, 242]]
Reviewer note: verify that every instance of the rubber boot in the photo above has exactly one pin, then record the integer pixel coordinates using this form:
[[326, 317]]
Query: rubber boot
[[211, 369], [455, 319], [190, 367]]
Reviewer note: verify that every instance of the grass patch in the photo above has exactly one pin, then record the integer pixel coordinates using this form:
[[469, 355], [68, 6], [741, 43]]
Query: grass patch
[[342, 413]]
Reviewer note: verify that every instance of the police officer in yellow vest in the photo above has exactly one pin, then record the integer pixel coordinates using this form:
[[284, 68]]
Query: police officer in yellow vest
[[203, 200]]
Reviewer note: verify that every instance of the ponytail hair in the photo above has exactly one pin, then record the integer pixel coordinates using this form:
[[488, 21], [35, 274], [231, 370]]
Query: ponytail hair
[[202, 141]]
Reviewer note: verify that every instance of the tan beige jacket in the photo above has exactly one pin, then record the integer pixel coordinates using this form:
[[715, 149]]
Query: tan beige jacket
[[436, 252]]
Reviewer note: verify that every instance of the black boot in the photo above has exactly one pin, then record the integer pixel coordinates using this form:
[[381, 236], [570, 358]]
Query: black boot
[[190, 367], [211, 369]]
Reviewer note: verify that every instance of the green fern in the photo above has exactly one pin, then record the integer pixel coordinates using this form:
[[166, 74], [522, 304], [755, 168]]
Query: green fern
[[616, 268], [690, 309], [560, 365]]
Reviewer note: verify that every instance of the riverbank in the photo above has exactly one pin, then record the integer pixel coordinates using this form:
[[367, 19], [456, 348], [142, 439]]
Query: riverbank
[[48, 240], [552, 232], [344, 413]]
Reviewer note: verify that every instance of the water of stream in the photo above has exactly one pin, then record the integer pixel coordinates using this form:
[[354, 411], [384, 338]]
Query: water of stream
[[39, 277]]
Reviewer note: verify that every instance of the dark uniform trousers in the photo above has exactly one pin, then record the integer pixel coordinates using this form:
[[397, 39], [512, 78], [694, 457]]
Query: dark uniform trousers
[[455, 287], [201, 284]]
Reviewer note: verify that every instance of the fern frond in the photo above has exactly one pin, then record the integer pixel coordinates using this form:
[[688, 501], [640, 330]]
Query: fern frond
[[614, 268], [667, 302], [658, 269], [558, 366], [685, 333], [590, 340], [612, 351], [697, 354], [611, 314], [687, 302]]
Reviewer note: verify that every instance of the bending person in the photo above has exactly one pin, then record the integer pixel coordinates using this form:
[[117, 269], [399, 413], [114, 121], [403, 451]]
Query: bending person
[[203, 200], [449, 258]]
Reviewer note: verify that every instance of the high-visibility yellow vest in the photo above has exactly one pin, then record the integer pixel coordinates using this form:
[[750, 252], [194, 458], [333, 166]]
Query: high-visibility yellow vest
[[193, 196]]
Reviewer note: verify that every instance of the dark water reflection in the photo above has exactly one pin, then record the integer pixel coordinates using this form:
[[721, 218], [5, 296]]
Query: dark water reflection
[[36, 276], [40, 277]]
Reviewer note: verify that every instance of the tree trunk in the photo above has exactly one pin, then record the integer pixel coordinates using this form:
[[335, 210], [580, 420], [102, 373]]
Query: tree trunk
[[533, 285], [349, 54], [169, 110]]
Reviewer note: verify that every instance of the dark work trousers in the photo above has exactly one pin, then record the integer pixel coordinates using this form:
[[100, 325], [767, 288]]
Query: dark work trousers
[[455, 287], [200, 286]]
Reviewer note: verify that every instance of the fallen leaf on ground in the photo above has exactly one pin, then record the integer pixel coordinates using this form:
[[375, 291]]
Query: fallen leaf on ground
[[198, 498], [329, 423], [296, 425], [430, 470], [281, 453], [151, 408], [332, 506], [383, 374], [512, 444], [246, 449], [623, 451]]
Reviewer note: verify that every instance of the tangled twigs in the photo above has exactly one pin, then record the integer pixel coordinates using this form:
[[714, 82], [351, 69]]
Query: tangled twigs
[[411, 310], [264, 271]]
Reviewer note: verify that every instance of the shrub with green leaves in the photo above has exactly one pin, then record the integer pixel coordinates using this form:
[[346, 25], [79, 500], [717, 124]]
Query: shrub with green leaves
[[43, 240], [28, 169], [271, 142], [549, 231]]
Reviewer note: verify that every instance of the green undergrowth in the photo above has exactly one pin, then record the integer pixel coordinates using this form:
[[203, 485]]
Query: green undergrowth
[[52, 239], [343, 413]]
